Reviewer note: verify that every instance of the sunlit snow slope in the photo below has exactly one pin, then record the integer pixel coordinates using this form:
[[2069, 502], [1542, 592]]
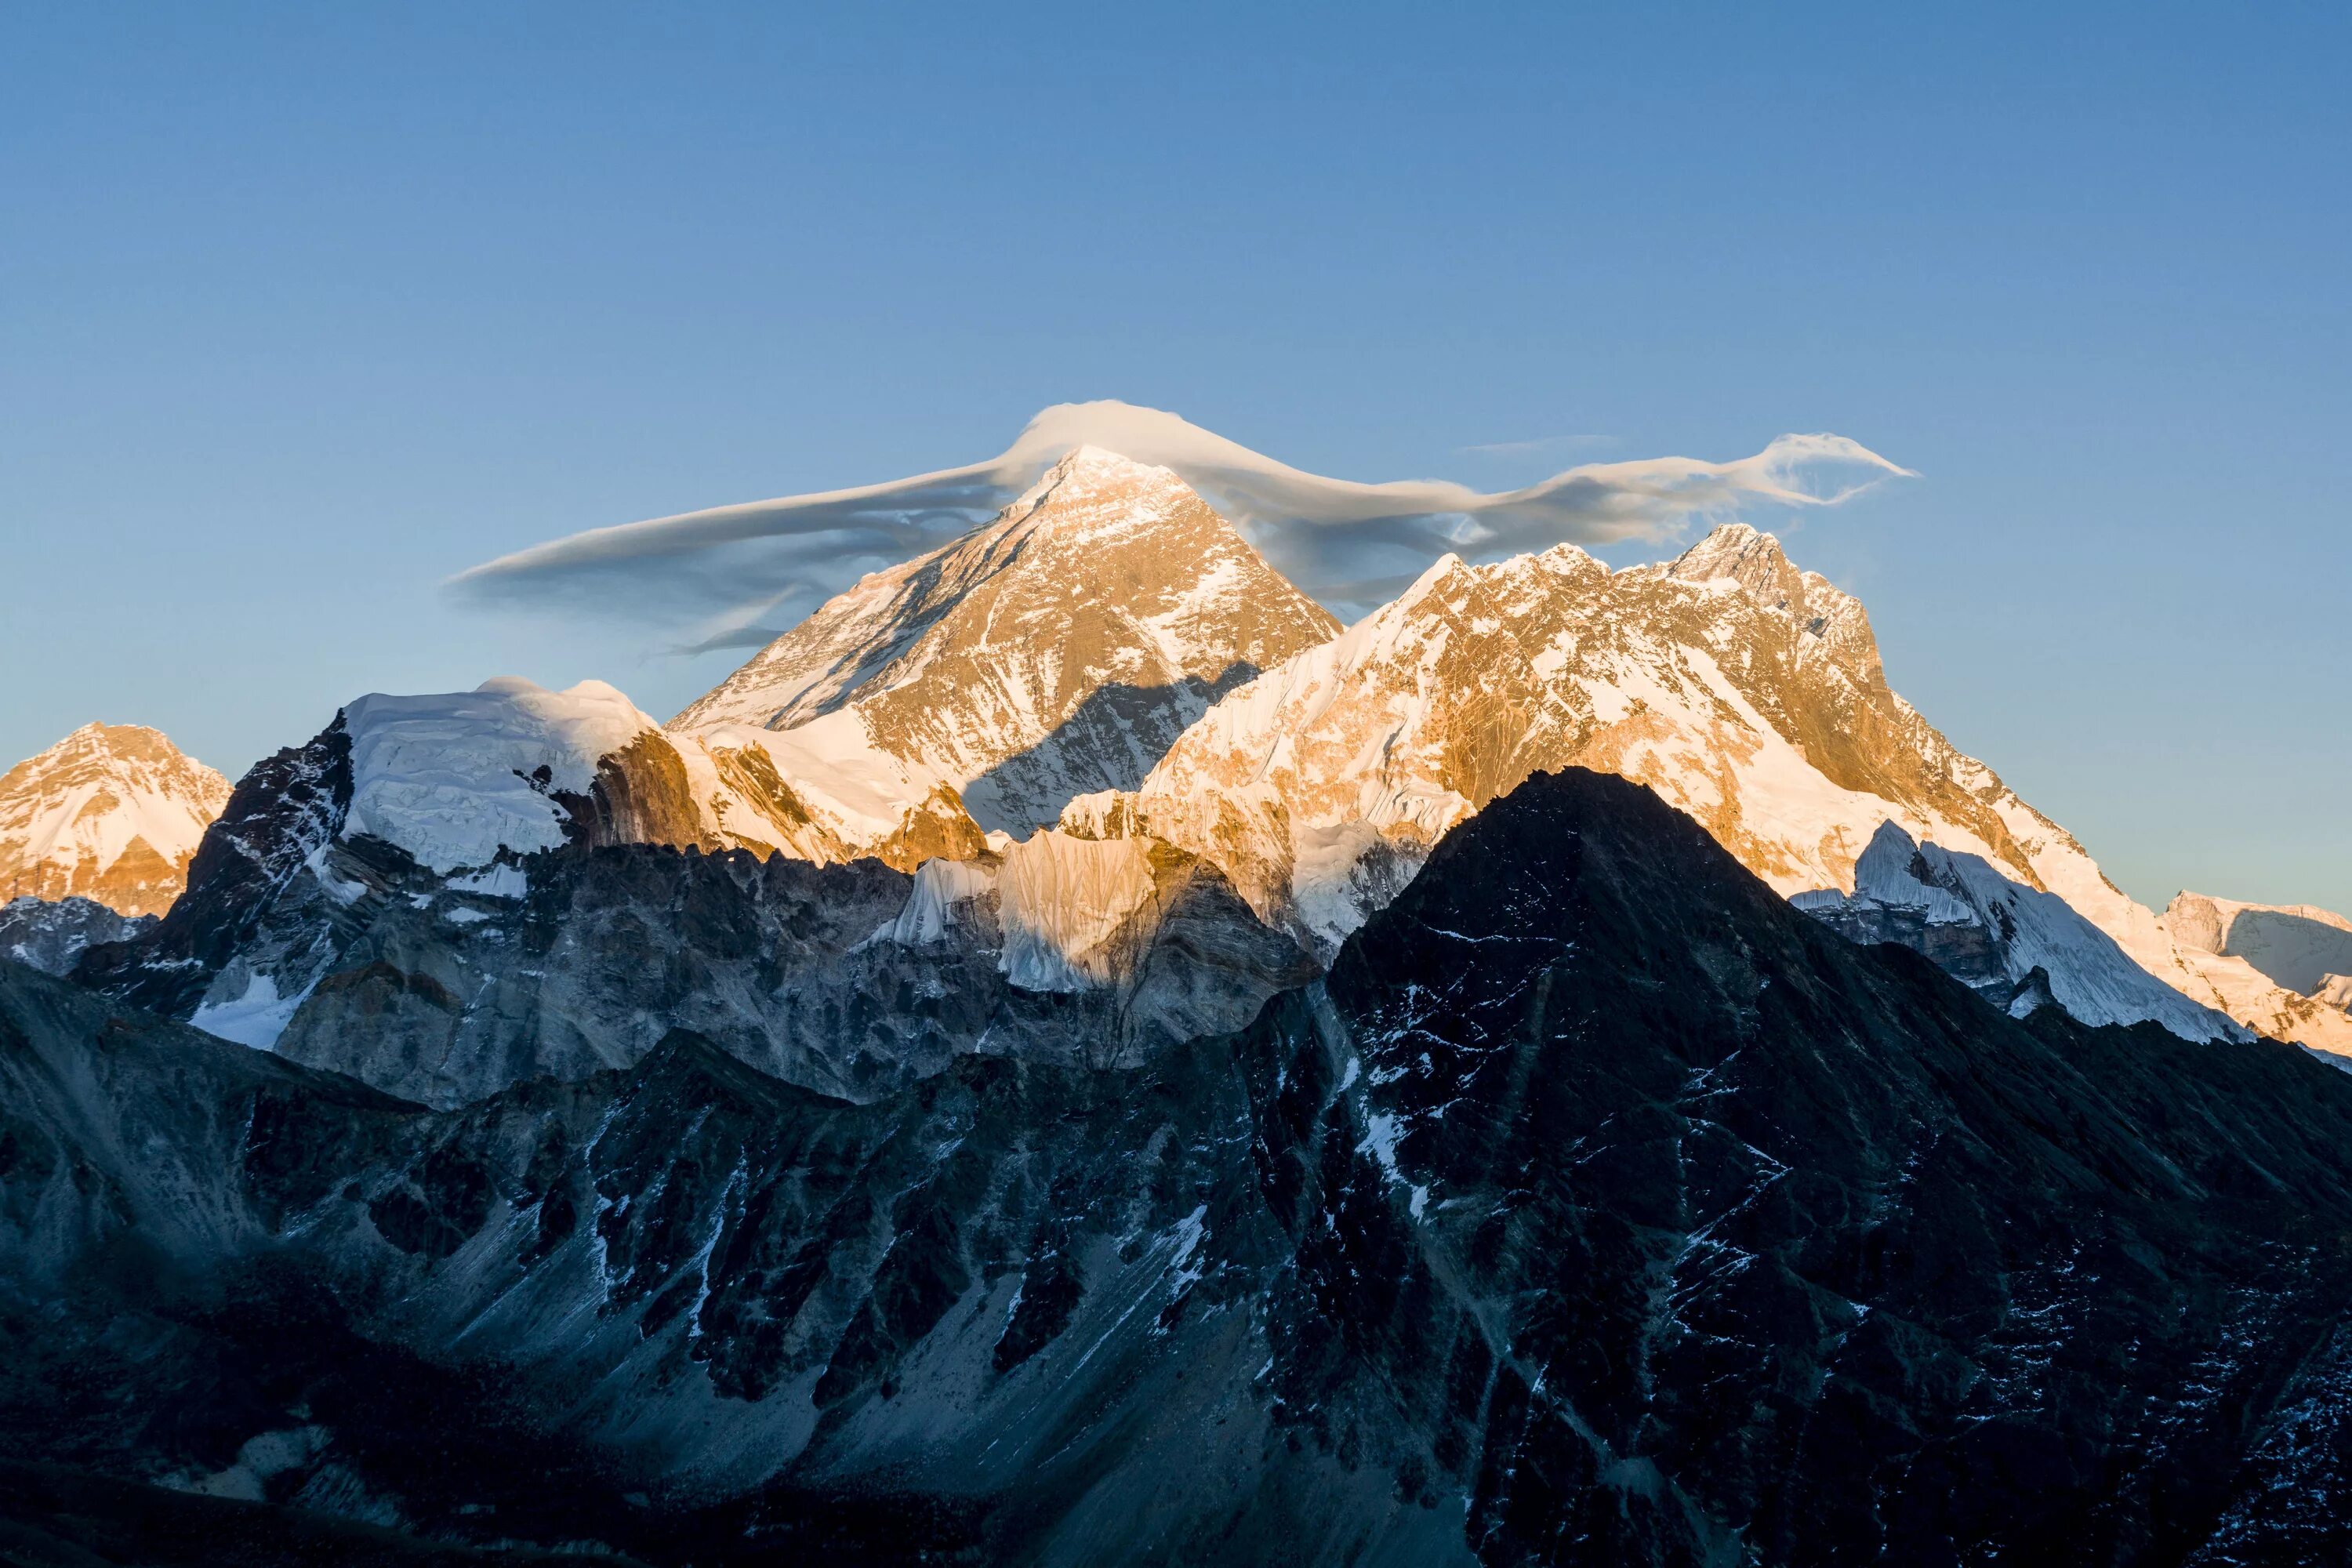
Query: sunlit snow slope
[[111, 813], [1746, 692], [1055, 651]]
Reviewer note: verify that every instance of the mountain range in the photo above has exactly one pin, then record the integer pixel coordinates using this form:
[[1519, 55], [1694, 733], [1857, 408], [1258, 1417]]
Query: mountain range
[[1109, 661], [1071, 1055]]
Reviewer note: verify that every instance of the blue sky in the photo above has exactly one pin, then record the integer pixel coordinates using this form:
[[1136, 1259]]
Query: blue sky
[[304, 309]]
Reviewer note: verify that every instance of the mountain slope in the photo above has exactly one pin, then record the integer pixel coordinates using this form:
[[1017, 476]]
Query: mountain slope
[[1055, 651], [445, 895], [2300, 946], [51, 934], [1741, 690], [111, 813], [2285, 970], [848, 981], [2018, 947], [1598, 1206]]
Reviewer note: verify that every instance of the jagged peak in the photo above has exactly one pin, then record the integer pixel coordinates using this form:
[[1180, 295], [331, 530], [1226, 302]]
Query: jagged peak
[[1733, 550], [1435, 575]]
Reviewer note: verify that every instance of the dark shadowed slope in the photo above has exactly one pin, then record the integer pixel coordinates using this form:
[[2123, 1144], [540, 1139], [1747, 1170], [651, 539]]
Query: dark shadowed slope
[[1598, 1207]]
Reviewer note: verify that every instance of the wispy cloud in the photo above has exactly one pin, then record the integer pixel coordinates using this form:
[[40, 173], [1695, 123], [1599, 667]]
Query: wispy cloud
[[715, 574], [1540, 444]]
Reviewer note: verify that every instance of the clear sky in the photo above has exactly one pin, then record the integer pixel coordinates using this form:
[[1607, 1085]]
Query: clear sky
[[303, 309]]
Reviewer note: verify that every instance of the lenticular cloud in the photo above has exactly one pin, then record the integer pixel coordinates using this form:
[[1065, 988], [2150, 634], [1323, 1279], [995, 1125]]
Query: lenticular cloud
[[726, 571]]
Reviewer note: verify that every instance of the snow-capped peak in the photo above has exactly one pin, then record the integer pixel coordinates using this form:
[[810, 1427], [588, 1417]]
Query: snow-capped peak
[[1736, 552], [111, 813], [1743, 690], [1055, 650], [453, 778]]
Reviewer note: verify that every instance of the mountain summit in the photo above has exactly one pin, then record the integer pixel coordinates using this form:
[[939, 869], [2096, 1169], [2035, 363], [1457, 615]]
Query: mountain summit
[[1743, 690], [111, 813], [1059, 649]]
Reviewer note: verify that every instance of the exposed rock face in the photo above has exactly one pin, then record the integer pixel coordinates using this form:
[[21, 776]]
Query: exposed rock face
[[111, 813], [1743, 691], [1055, 651], [340, 950], [259, 901], [1598, 1206], [51, 936], [576, 962]]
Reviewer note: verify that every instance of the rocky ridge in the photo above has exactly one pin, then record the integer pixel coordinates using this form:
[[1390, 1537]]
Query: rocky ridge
[[2017, 946], [313, 928], [1743, 690], [51, 934], [1597, 1205]]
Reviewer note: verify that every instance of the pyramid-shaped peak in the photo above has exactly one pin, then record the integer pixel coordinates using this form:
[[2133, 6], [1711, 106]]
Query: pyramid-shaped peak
[[1087, 478], [131, 741], [1729, 550], [1100, 464], [1736, 552]]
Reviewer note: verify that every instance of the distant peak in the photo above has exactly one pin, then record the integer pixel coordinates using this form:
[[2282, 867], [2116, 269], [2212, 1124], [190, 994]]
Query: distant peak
[[1087, 471], [136, 739]]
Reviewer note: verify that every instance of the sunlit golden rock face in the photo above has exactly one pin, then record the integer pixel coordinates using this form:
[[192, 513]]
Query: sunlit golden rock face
[[113, 813], [1745, 691], [1055, 651]]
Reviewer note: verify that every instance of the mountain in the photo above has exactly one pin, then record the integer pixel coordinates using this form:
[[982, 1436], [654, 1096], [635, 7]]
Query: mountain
[[111, 813], [445, 895], [2016, 946], [51, 934], [2300, 946], [1055, 651], [2283, 967], [1083, 637], [447, 789], [1598, 1206], [1743, 690]]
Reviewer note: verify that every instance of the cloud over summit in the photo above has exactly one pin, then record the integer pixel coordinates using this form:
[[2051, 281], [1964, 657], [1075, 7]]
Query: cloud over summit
[[717, 575]]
